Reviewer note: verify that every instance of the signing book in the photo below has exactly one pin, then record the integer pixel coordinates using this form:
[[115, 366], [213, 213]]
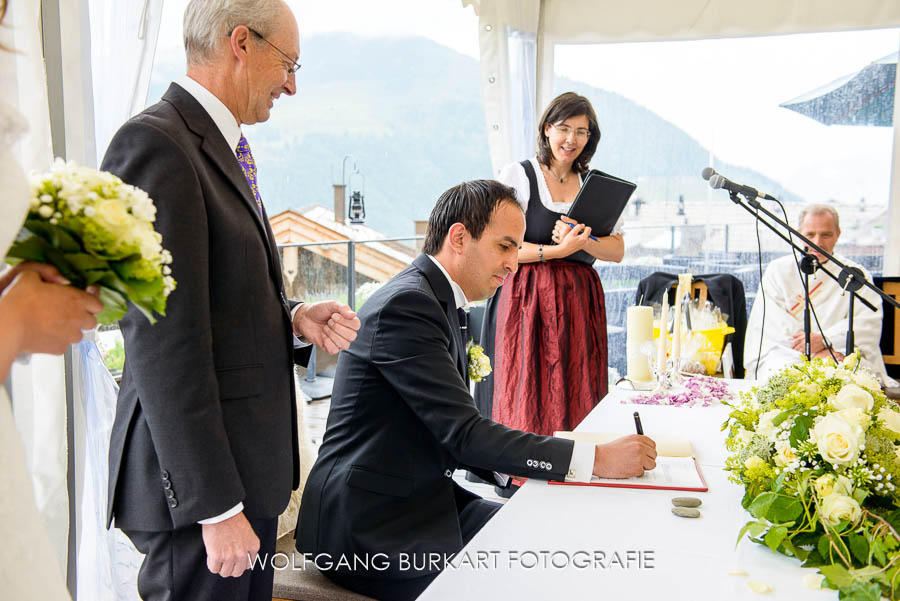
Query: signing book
[[676, 468]]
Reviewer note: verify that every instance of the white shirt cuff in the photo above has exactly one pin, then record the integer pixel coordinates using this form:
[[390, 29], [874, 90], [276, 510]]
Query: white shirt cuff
[[299, 341], [581, 468], [221, 518]]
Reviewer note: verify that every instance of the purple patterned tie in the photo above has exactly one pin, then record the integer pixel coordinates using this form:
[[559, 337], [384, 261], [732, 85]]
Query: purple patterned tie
[[248, 166]]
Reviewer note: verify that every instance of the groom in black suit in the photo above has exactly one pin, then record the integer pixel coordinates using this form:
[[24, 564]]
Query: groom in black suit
[[381, 496], [204, 449]]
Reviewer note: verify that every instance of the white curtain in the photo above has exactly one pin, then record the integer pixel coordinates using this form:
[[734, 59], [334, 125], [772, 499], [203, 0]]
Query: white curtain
[[123, 43]]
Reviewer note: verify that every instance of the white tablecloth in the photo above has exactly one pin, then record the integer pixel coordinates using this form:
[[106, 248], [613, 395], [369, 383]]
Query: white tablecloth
[[543, 542]]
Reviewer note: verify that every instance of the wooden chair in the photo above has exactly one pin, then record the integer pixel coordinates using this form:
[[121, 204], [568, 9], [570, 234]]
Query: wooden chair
[[305, 583]]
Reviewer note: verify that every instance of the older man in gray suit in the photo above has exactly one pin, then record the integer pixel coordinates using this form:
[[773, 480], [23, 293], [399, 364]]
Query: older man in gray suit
[[203, 455]]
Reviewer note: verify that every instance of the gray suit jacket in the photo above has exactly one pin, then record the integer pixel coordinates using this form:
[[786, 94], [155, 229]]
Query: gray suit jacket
[[206, 415], [401, 421]]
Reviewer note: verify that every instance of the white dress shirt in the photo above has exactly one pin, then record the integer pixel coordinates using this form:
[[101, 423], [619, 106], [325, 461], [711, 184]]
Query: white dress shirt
[[581, 466]]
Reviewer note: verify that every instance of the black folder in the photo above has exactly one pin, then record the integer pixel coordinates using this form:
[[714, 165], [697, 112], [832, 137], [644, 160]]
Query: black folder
[[600, 202]]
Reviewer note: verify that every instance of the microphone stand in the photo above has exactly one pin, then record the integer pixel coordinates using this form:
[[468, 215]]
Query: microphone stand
[[808, 265], [851, 279]]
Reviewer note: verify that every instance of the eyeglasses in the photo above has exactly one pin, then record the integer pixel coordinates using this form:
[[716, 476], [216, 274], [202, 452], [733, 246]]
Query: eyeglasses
[[580, 133], [292, 66]]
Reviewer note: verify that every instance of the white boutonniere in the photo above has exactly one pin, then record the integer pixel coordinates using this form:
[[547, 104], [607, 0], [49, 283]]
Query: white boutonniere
[[479, 364]]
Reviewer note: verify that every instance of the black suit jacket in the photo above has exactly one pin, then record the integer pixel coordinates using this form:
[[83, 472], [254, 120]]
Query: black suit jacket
[[206, 414], [401, 421]]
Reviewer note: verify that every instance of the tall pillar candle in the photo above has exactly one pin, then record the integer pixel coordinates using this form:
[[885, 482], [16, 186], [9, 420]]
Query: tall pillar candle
[[638, 331]]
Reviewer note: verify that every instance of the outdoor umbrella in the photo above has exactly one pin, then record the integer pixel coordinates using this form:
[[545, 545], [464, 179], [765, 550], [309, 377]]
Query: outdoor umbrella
[[862, 98]]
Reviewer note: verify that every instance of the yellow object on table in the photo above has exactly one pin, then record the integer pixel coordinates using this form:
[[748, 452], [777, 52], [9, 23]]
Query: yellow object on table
[[710, 350]]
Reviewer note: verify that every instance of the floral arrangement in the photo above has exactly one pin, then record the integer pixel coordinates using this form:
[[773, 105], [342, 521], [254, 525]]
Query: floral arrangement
[[479, 363], [97, 230], [698, 391], [816, 449]]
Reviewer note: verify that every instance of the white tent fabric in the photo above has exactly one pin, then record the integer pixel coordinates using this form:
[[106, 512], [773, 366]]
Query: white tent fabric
[[552, 22]]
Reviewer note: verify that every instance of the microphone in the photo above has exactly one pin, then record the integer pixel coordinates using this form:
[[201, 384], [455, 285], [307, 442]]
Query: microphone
[[809, 264], [717, 181]]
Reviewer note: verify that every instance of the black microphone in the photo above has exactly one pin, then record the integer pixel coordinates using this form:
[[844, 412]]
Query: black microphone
[[809, 264], [717, 181]]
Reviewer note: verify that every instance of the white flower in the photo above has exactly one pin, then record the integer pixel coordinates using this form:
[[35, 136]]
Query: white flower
[[784, 454], [837, 440], [890, 418], [851, 361], [753, 461], [865, 379], [852, 395], [766, 427], [46, 211], [743, 436], [837, 507], [813, 581], [855, 417], [827, 484]]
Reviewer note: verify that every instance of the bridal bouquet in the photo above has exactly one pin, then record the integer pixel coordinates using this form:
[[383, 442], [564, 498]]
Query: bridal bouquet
[[816, 450], [97, 230]]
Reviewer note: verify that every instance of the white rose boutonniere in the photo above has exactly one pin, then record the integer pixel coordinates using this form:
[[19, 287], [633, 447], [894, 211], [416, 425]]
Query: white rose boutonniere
[[479, 364]]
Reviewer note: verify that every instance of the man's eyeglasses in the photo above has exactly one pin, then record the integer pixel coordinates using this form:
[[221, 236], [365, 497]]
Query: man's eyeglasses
[[580, 133], [292, 66]]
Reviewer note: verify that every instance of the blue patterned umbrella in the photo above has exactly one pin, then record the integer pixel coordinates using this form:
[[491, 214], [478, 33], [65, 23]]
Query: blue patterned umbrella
[[862, 98]]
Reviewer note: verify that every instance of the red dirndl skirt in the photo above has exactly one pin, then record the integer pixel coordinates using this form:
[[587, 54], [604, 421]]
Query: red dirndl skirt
[[550, 353]]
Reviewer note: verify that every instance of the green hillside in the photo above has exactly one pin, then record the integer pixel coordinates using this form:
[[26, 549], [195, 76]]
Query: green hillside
[[410, 112]]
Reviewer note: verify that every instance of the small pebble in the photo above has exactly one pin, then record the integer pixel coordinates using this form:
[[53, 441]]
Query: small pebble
[[760, 587], [737, 572], [686, 512], [686, 502]]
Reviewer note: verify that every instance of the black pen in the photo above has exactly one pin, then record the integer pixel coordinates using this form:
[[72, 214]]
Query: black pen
[[637, 423]]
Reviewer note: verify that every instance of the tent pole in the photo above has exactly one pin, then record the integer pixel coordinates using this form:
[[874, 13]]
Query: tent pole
[[891, 266]]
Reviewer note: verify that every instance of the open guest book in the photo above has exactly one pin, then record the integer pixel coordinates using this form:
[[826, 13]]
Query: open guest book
[[676, 468]]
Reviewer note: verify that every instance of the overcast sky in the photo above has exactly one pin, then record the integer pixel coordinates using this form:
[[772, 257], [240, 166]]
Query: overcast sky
[[724, 93]]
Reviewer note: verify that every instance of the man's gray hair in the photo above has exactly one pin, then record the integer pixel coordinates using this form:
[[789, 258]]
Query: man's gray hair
[[206, 22], [820, 209]]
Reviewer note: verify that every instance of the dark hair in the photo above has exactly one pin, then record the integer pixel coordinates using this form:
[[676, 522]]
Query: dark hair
[[565, 106], [2, 10], [471, 204]]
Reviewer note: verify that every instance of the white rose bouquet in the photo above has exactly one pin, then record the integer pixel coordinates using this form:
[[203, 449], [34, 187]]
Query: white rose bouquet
[[97, 230], [817, 449]]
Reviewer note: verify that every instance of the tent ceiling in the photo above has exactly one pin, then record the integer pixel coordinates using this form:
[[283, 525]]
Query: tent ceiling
[[599, 21]]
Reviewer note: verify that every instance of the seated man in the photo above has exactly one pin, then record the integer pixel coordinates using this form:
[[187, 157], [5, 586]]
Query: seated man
[[783, 340], [381, 496]]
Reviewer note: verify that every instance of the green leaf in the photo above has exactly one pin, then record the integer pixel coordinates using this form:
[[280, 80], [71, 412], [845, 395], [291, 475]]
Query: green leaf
[[824, 547], [859, 546], [800, 431], [115, 306], [782, 416], [754, 527], [779, 481], [85, 262], [798, 552], [57, 236], [784, 509], [837, 575], [761, 504], [30, 248], [774, 537]]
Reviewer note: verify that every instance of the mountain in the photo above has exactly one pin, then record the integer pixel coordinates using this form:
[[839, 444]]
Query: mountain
[[410, 113]]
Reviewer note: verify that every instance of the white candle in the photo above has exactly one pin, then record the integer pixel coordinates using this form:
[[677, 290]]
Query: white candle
[[663, 337], [638, 331]]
